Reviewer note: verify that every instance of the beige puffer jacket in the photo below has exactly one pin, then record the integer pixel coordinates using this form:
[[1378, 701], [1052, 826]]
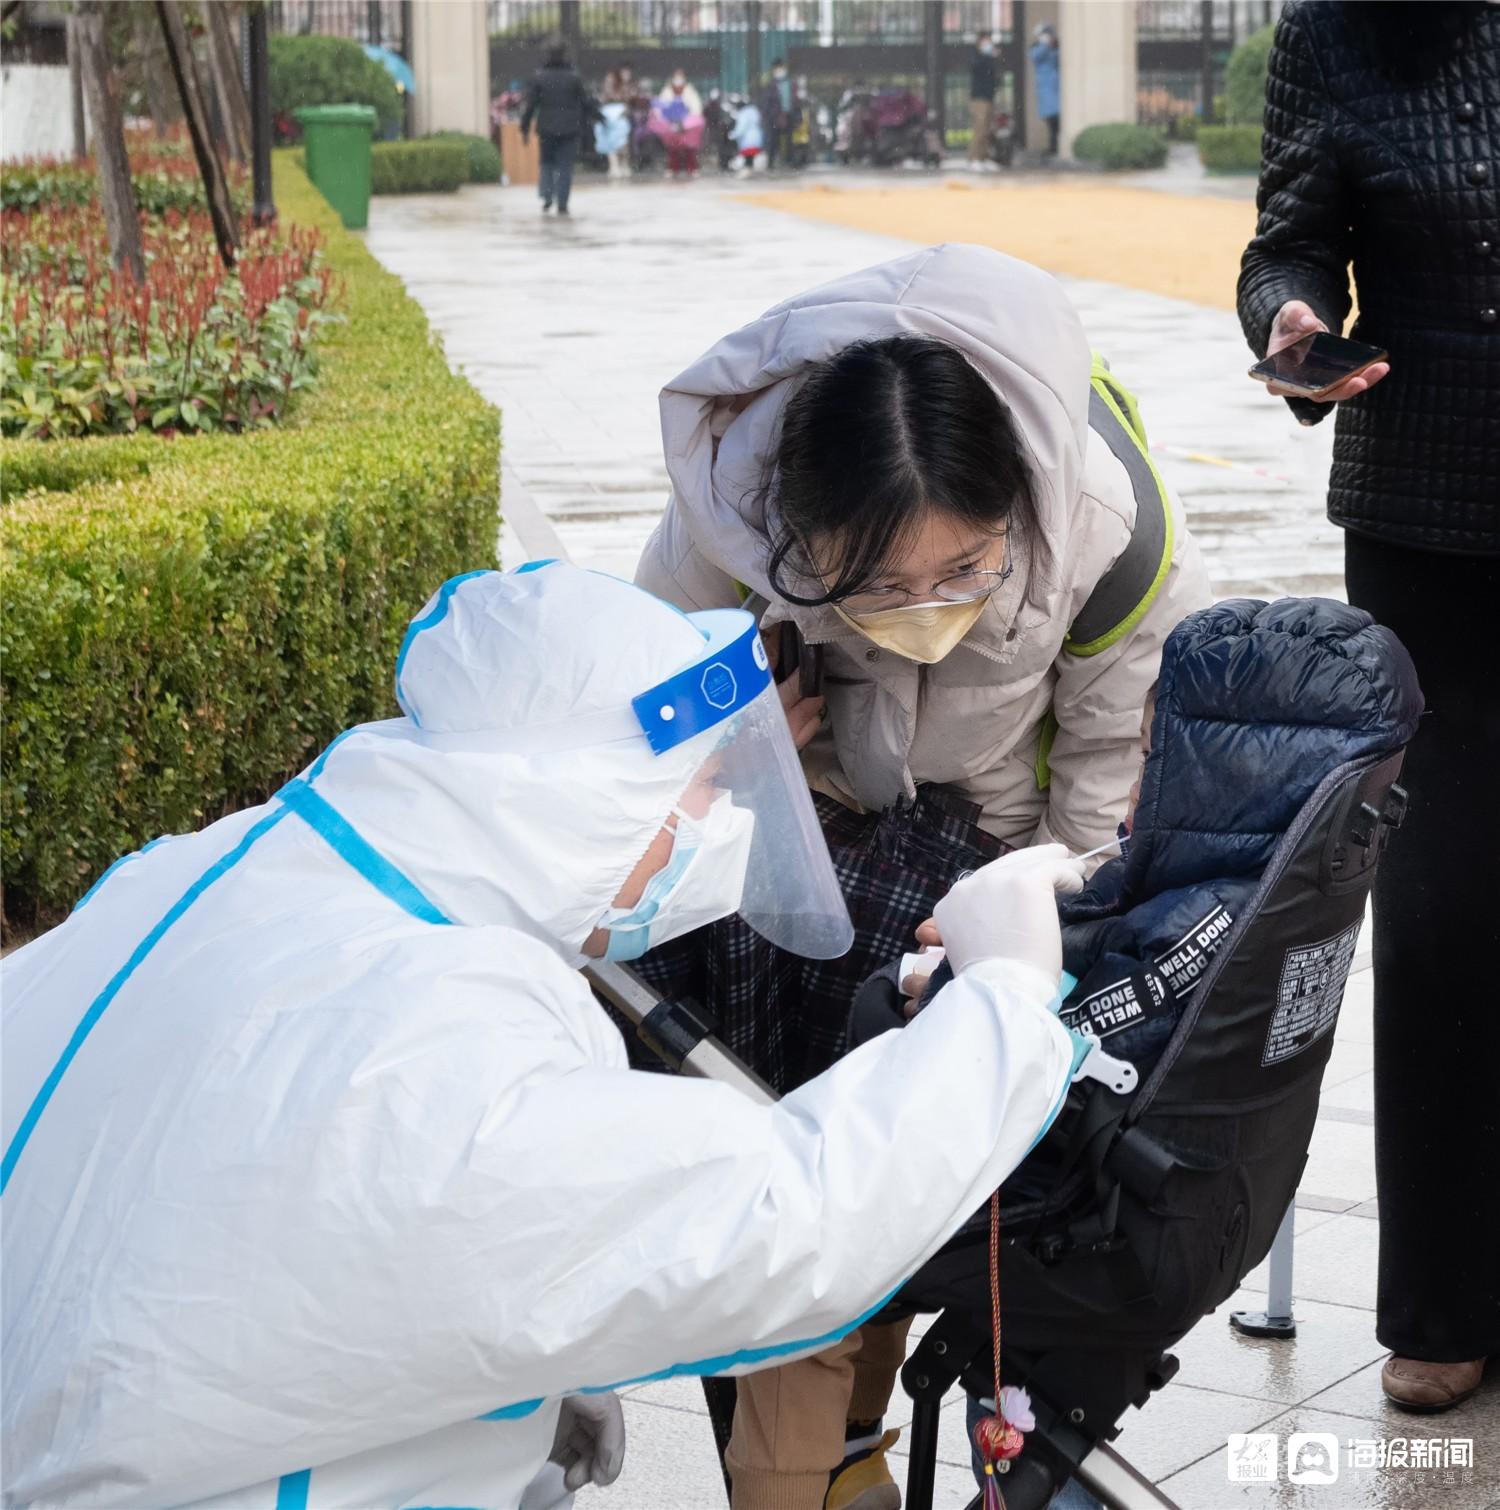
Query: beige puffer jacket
[[977, 719]]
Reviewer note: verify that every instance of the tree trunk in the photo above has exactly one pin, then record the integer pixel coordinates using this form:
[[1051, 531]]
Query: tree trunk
[[75, 88], [115, 190], [159, 89], [220, 20], [215, 185]]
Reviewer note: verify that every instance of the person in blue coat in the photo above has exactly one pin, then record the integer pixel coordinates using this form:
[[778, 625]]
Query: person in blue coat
[[1045, 70]]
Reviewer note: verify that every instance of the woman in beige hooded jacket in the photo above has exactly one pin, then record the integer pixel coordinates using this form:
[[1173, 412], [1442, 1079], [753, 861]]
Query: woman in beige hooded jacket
[[923, 470], [917, 420]]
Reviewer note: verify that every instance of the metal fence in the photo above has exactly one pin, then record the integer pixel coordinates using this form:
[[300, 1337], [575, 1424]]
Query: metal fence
[[382, 23], [1182, 48], [731, 43]]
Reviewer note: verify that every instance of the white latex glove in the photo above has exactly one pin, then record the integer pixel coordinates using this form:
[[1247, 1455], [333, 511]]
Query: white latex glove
[[590, 1441], [1008, 910]]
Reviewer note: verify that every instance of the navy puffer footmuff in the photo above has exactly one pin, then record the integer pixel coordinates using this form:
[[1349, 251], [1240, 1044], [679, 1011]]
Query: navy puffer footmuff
[[1255, 704]]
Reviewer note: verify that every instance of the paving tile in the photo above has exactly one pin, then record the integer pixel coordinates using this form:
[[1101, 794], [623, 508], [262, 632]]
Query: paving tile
[[671, 1463], [1360, 1394], [1205, 1484], [1341, 1157], [1355, 1094], [1347, 1061], [1332, 1342], [1334, 1261], [684, 1393], [1180, 1424]]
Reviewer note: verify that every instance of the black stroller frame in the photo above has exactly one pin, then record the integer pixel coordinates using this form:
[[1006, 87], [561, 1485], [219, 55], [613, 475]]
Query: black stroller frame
[[1161, 1200]]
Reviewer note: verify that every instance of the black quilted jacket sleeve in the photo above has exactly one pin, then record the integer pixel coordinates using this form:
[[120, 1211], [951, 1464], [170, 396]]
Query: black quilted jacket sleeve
[[1381, 173], [1302, 246]]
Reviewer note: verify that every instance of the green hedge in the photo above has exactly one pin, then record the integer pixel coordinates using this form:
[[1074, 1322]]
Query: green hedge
[[422, 167], [186, 622], [484, 155], [31, 183], [1121, 146], [329, 71], [1230, 149]]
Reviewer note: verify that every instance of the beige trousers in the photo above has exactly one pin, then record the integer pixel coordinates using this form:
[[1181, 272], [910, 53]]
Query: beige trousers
[[789, 1422], [981, 118]]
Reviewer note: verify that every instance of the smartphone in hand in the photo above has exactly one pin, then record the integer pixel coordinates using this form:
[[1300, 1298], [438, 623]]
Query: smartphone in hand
[[1317, 364]]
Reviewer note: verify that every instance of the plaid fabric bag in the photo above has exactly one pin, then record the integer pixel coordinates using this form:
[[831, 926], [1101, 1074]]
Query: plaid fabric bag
[[784, 1016]]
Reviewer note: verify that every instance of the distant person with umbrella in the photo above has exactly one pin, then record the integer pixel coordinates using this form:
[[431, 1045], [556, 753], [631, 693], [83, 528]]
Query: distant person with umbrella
[[558, 103], [400, 72]]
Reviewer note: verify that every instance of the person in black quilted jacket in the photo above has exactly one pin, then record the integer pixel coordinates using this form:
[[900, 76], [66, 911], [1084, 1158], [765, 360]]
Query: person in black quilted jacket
[[1382, 150]]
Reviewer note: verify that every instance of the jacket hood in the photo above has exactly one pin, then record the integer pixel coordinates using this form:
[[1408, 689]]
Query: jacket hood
[[541, 838], [721, 417], [1255, 705]]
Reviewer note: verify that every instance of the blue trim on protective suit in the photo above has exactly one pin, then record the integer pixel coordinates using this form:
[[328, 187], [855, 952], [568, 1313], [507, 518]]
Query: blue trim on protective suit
[[102, 1000], [436, 616], [292, 1490], [328, 823]]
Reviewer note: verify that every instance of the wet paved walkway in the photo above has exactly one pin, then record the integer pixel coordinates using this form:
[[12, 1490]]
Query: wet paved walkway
[[572, 329]]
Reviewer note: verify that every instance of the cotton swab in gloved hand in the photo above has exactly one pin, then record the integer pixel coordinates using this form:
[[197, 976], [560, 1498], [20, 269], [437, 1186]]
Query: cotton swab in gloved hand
[[923, 963], [1111, 844]]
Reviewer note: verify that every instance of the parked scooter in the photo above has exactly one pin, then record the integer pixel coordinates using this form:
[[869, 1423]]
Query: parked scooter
[[1003, 139]]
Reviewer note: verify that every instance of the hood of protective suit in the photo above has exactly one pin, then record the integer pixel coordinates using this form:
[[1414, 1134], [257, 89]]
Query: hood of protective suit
[[540, 839], [721, 418]]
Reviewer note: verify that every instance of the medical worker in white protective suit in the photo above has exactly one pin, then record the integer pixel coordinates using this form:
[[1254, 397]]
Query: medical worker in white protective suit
[[325, 1180]]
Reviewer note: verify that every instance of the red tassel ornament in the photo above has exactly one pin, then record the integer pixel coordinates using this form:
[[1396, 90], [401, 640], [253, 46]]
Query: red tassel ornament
[[1001, 1436]]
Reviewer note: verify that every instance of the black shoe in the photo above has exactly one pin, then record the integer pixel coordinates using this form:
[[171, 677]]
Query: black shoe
[[563, 210], [547, 205]]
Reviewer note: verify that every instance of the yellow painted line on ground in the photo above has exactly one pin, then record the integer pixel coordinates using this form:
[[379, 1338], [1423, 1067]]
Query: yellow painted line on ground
[[1183, 246]]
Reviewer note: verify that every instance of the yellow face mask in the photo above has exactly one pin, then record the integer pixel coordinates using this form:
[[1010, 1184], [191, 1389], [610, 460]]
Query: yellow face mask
[[923, 632]]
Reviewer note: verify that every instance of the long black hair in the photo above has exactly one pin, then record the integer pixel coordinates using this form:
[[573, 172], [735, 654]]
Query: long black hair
[[875, 440]]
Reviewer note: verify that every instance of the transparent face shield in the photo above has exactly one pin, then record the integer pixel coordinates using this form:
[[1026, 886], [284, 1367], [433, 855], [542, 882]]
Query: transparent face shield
[[726, 706]]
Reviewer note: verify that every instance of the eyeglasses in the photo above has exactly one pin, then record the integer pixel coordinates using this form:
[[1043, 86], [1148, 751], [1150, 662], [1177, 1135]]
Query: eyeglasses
[[964, 587]]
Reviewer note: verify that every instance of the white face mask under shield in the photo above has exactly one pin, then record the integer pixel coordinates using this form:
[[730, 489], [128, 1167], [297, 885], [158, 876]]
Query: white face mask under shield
[[702, 881]]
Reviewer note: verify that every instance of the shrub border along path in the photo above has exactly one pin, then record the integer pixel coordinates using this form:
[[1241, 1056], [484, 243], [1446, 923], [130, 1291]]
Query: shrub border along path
[[187, 622]]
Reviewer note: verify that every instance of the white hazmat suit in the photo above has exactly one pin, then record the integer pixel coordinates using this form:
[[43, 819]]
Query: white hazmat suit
[[325, 1177]]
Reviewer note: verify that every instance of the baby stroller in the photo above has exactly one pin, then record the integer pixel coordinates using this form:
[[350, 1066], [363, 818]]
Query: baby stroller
[[1161, 1198], [902, 129]]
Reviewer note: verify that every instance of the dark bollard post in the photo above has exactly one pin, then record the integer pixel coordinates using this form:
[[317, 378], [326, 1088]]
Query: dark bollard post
[[932, 26], [264, 212]]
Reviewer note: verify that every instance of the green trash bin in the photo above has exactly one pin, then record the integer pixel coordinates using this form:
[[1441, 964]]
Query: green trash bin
[[338, 157]]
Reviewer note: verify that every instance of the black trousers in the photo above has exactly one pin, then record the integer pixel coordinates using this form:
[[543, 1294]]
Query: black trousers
[[556, 179], [1437, 963]]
